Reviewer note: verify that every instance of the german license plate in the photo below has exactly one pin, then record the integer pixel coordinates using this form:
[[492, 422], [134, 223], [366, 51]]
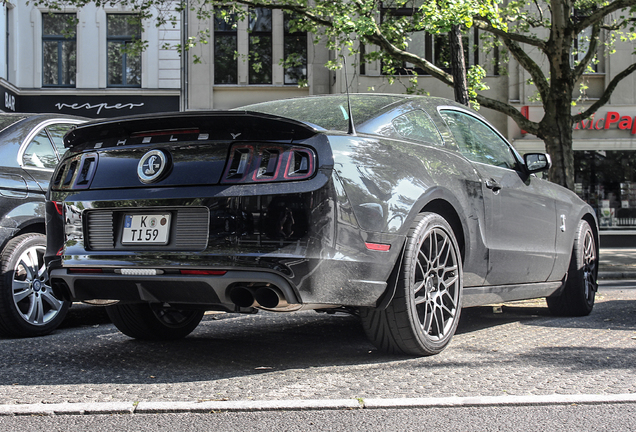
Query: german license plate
[[146, 229]]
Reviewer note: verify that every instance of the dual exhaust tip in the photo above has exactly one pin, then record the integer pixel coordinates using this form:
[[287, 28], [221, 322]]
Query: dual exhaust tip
[[268, 297]]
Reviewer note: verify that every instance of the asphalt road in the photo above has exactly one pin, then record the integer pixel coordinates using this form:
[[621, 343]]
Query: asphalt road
[[579, 418], [517, 349]]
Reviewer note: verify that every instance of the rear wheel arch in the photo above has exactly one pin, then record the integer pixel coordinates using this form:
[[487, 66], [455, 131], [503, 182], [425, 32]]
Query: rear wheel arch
[[448, 212], [33, 228]]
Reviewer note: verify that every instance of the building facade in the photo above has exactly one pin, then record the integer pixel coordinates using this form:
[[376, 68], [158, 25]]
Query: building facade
[[78, 62]]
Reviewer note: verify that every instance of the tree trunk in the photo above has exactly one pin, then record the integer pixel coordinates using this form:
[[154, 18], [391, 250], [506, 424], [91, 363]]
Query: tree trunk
[[556, 132], [458, 65]]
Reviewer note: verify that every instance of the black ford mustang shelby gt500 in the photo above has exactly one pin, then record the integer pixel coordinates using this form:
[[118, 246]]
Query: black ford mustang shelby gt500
[[412, 210]]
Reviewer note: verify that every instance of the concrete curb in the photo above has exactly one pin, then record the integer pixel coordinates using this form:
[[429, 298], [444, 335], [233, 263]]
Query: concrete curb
[[300, 405], [616, 275], [274, 405]]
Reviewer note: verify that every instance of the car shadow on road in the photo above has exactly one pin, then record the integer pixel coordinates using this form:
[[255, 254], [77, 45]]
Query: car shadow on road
[[90, 350]]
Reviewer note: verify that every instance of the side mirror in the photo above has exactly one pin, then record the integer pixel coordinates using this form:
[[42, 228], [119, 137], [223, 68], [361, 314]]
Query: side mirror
[[537, 162]]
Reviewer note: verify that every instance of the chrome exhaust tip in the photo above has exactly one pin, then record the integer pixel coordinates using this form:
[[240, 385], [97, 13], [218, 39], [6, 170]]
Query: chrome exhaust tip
[[242, 297], [270, 298], [100, 302]]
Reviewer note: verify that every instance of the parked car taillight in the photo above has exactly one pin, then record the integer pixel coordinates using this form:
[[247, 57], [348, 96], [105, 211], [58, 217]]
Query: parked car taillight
[[76, 172], [250, 163]]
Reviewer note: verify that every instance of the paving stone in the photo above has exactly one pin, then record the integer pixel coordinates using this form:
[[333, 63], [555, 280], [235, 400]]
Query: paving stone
[[268, 357]]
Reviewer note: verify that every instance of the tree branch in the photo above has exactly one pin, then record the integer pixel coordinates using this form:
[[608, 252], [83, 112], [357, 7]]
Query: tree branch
[[297, 9], [509, 110], [379, 39], [591, 52], [599, 14], [535, 71], [606, 94], [483, 24]]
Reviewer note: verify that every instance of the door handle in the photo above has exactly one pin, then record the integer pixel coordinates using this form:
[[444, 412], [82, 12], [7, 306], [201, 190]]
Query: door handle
[[493, 185]]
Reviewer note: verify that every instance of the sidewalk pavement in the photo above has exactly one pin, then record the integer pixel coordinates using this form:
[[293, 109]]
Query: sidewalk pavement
[[617, 263]]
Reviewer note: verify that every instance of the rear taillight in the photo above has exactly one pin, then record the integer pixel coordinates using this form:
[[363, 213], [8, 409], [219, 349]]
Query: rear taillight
[[253, 163], [76, 172], [59, 208]]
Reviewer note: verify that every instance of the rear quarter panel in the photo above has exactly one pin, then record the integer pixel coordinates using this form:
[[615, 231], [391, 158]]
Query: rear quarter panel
[[390, 181]]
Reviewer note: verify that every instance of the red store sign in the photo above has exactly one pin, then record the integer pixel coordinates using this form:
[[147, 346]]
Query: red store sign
[[604, 123]]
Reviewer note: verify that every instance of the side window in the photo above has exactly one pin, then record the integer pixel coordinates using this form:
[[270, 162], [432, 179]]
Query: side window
[[40, 153], [477, 141], [419, 126], [57, 132]]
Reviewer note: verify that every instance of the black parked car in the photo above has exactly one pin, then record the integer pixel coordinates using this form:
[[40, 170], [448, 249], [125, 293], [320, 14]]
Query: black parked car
[[30, 148], [412, 210]]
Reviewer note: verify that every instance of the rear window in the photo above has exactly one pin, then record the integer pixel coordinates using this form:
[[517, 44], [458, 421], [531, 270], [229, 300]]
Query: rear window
[[328, 112]]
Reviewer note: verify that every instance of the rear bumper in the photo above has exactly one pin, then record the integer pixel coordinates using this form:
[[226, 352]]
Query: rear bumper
[[304, 245]]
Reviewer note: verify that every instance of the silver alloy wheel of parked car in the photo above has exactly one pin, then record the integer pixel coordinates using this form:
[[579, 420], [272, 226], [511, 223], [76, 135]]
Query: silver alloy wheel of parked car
[[28, 304], [32, 295]]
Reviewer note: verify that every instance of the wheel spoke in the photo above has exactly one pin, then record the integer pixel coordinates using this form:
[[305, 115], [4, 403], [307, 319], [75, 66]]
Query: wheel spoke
[[439, 323], [421, 299], [451, 302], [425, 317], [21, 290], [33, 259], [42, 274], [424, 260], [452, 277], [25, 267], [420, 270], [445, 250], [34, 310], [51, 300], [418, 288]]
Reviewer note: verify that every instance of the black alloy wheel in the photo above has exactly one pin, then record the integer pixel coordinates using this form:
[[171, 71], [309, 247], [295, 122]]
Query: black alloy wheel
[[423, 315]]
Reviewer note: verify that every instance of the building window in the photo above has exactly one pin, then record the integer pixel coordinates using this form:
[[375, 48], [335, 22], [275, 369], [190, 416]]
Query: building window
[[124, 64], [225, 48], [581, 46], [295, 52], [606, 179], [245, 52], [59, 52], [260, 28]]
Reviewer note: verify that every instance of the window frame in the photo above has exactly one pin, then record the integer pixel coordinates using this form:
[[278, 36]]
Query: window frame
[[232, 31], [122, 40], [60, 40], [288, 35], [516, 158], [43, 127], [266, 34]]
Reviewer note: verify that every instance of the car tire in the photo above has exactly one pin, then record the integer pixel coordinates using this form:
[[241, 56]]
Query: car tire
[[28, 305], [577, 297], [154, 321], [423, 315]]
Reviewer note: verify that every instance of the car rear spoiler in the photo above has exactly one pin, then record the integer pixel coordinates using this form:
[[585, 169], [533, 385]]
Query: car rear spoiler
[[218, 125]]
